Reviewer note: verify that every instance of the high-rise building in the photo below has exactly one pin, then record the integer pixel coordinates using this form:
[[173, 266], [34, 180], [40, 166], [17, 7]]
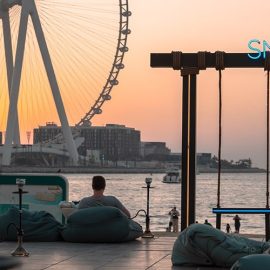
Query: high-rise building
[[115, 142], [46, 133]]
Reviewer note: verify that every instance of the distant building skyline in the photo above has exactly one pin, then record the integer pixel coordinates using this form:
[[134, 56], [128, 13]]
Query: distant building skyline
[[115, 142]]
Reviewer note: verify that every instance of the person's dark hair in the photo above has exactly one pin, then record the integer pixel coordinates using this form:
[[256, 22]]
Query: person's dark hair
[[98, 182]]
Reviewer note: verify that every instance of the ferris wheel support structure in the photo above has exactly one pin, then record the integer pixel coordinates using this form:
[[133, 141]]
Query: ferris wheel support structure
[[4, 15], [29, 8]]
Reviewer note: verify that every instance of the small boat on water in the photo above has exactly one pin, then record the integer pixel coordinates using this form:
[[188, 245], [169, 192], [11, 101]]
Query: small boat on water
[[172, 177]]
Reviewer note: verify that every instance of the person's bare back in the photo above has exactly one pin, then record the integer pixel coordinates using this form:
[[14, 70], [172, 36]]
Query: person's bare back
[[99, 199]]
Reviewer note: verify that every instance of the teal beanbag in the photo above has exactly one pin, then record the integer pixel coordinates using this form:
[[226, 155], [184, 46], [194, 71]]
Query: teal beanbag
[[97, 224], [135, 230], [201, 244], [37, 226], [253, 262]]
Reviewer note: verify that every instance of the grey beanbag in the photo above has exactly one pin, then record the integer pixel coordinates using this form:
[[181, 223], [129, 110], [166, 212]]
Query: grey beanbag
[[103, 224], [37, 226], [201, 244]]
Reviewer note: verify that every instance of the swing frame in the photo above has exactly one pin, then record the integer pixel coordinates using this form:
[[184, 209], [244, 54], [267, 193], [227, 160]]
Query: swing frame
[[189, 65]]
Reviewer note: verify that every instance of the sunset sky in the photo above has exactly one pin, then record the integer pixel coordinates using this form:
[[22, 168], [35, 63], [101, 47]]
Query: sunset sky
[[150, 99]]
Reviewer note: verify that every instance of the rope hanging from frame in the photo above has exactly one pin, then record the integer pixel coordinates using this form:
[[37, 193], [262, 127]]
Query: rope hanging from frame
[[267, 69], [219, 66]]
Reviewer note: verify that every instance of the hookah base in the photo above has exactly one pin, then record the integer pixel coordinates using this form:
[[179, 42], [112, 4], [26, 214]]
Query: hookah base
[[147, 235], [20, 252]]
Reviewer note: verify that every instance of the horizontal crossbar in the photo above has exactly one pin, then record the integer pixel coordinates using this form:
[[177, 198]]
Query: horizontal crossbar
[[231, 60], [241, 210]]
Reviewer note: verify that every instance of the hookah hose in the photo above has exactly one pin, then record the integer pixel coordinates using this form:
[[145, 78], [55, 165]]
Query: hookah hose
[[141, 210]]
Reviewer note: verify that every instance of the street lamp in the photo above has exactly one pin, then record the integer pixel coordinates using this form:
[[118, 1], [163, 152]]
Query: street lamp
[[147, 233]]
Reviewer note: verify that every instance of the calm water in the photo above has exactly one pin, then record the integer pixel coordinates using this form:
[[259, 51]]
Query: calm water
[[237, 190]]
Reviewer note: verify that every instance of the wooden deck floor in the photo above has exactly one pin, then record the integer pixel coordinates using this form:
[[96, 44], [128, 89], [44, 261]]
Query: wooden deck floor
[[142, 254], [152, 254]]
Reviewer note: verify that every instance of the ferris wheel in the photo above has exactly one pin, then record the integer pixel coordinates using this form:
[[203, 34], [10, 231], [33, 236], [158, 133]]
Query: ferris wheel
[[71, 57]]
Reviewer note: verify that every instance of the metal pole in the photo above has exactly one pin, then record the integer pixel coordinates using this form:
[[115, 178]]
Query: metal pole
[[184, 169], [188, 199], [267, 220], [218, 216], [267, 227], [192, 149], [20, 211], [147, 230]]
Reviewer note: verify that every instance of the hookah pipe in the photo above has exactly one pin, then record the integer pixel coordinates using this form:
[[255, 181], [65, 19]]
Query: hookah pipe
[[19, 251], [147, 233]]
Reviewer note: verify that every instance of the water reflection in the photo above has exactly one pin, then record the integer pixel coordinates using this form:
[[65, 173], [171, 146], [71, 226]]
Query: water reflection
[[237, 190]]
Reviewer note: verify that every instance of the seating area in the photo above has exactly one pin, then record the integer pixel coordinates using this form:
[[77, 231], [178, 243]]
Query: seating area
[[92, 225], [102, 228]]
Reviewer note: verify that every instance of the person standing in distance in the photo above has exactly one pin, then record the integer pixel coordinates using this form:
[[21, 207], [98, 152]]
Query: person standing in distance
[[237, 223], [99, 199], [228, 228], [174, 219]]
